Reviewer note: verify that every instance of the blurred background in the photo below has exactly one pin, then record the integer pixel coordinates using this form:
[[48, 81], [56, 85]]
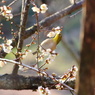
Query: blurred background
[[68, 49]]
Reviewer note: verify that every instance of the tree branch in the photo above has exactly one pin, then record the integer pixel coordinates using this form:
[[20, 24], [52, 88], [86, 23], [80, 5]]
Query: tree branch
[[23, 22], [18, 63], [12, 3], [19, 82]]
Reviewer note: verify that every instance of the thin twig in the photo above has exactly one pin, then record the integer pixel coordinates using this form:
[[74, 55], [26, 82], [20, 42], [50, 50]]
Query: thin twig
[[37, 19], [18, 14], [42, 65], [75, 14], [68, 87], [18, 63], [12, 3], [71, 92]]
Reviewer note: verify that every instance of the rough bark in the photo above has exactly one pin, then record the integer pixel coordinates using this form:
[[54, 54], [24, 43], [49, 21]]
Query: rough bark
[[87, 63], [18, 82]]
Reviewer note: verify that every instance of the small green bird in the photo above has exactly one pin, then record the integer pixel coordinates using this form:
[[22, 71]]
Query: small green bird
[[50, 43]]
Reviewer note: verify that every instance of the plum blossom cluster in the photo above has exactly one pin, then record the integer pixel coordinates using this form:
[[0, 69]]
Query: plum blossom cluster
[[6, 12], [43, 91], [47, 53], [54, 31], [71, 75], [7, 47], [43, 8], [51, 58], [59, 86]]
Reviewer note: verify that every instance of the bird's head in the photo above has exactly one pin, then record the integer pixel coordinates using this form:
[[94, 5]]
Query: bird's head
[[57, 38]]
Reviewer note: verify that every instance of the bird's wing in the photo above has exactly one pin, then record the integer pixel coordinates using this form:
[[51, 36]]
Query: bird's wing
[[48, 44]]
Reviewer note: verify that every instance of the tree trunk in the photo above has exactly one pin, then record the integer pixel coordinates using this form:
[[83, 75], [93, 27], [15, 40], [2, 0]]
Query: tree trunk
[[87, 62]]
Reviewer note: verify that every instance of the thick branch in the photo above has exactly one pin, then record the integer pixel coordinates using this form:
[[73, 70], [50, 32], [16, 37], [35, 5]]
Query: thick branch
[[19, 82]]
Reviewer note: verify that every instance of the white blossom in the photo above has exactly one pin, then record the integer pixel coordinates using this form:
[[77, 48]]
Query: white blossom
[[57, 30], [43, 91], [6, 12], [9, 16], [75, 68], [47, 91], [51, 34], [52, 57], [36, 9], [40, 58], [7, 48], [46, 52], [44, 8], [9, 42]]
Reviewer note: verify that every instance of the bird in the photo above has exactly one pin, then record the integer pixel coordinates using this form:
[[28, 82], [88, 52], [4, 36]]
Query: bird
[[50, 43]]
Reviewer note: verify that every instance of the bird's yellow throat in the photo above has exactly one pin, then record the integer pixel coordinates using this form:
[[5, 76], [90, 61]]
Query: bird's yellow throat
[[57, 38]]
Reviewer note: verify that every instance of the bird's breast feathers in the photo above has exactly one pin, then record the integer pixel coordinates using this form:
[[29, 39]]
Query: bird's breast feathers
[[49, 44]]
